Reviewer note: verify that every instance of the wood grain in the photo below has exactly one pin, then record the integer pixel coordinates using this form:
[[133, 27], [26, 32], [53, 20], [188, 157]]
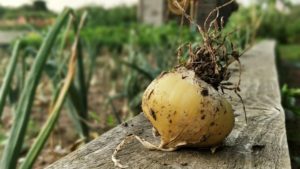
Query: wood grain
[[261, 143]]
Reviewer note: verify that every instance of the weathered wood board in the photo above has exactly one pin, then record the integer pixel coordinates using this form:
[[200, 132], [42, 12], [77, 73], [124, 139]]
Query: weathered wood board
[[261, 143]]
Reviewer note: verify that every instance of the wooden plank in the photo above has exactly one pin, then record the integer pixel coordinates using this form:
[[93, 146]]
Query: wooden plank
[[261, 143]]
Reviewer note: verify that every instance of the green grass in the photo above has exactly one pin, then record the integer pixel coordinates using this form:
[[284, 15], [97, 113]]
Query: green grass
[[289, 52]]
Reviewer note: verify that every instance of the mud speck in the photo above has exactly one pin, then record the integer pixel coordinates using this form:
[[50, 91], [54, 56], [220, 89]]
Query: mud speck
[[204, 138], [258, 147], [153, 114], [204, 92], [150, 94], [184, 164]]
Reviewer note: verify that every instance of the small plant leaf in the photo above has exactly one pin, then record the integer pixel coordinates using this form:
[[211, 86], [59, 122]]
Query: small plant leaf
[[9, 75], [54, 110]]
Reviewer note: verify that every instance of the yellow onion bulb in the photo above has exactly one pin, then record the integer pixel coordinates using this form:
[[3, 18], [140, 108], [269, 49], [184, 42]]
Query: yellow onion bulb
[[186, 111]]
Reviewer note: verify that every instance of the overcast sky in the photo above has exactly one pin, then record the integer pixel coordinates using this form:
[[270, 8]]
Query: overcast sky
[[58, 5]]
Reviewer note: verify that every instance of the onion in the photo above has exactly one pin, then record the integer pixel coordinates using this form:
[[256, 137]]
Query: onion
[[186, 111], [185, 105]]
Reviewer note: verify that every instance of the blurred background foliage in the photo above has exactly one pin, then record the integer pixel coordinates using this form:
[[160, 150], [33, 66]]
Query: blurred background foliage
[[117, 58]]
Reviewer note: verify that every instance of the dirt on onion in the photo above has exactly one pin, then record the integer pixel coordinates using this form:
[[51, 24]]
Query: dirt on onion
[[186, 105]]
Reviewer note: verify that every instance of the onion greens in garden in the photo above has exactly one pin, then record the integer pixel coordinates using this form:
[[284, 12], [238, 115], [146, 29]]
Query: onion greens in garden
[[61, 90], [55, 109], [12, 150]]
